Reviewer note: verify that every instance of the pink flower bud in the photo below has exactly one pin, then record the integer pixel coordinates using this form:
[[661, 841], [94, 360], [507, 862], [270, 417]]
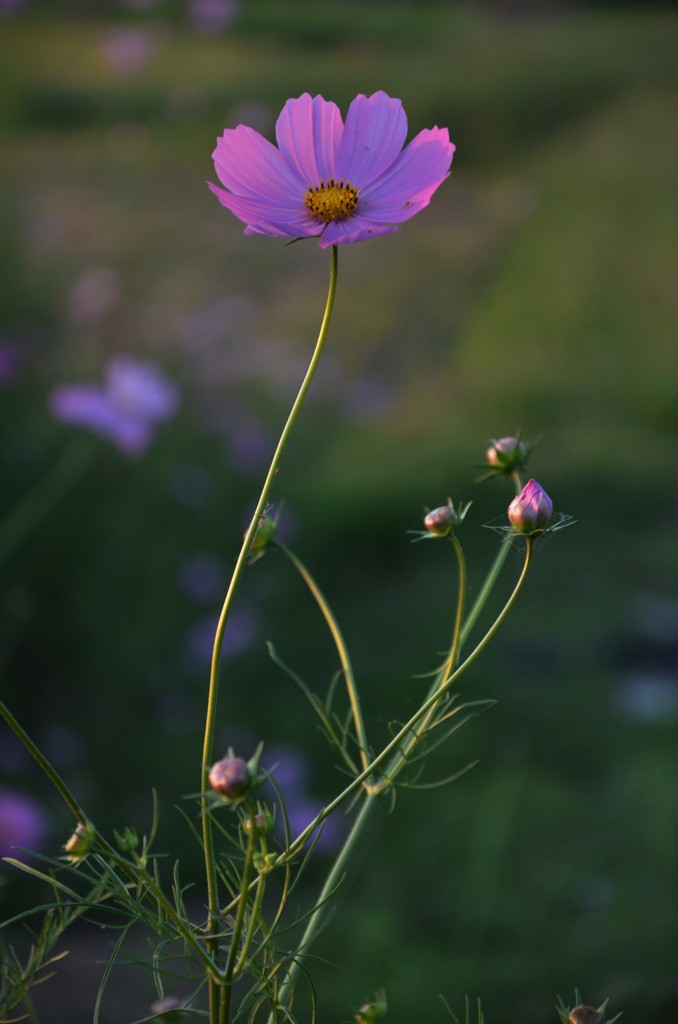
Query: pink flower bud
[[531, 510], [585, 1015], [440, 521], [230, 777], [506, 454]]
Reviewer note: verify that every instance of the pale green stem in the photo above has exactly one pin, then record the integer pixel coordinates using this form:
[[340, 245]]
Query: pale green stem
[[39, 502], [331, 882], [342, 651], [210, 720]]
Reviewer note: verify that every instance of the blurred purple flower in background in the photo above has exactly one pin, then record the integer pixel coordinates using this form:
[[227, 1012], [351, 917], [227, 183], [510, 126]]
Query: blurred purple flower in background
[[202, 578], [243, 626], [300, 813], [128, 50], [22, 822], [290, 770], [134, 398], [95, 295], [213, 15], [10, 7]]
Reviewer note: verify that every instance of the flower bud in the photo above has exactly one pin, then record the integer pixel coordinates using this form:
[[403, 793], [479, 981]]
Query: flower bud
[[585, 1015], [127, 840], [262, 822], [374, 1011], [230, 777], [167, 1009], [263, 538], [80, 843], [530, 512], [440, 521], [506, 454]]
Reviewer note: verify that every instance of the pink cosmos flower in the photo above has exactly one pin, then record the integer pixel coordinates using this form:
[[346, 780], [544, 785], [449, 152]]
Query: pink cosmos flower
[[340, 182]]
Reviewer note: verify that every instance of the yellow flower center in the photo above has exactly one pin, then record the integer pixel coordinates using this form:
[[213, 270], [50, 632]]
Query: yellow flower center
[[331, 200]]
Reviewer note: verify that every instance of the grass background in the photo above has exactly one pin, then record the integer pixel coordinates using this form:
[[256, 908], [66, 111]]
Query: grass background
[[537, 292]]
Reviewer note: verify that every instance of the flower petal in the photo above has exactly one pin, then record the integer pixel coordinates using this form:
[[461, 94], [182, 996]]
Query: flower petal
[[249, 165], [352, 229], [374, 134], [255, 210], [309, 131], [408, 185], [303, 229]]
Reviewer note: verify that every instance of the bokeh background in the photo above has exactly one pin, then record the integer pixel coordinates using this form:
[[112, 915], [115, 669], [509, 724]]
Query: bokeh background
[[537, 293]]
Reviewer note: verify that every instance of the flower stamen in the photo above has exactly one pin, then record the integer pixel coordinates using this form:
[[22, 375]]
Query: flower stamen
[[331, 200]]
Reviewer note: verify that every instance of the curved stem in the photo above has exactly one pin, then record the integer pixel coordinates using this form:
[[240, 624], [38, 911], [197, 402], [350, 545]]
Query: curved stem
[[331, 882], [210, 720], [342, 650]]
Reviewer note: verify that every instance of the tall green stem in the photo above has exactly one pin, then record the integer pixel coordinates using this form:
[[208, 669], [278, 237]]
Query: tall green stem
[[208, 742]]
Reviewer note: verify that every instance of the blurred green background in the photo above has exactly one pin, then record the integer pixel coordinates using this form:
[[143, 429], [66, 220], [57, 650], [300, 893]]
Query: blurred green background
[[537, 293]]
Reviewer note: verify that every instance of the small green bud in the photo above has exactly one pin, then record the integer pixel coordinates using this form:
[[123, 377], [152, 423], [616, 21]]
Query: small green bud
[[127, 840], [263, 538], [262, 821], [265, 862]]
